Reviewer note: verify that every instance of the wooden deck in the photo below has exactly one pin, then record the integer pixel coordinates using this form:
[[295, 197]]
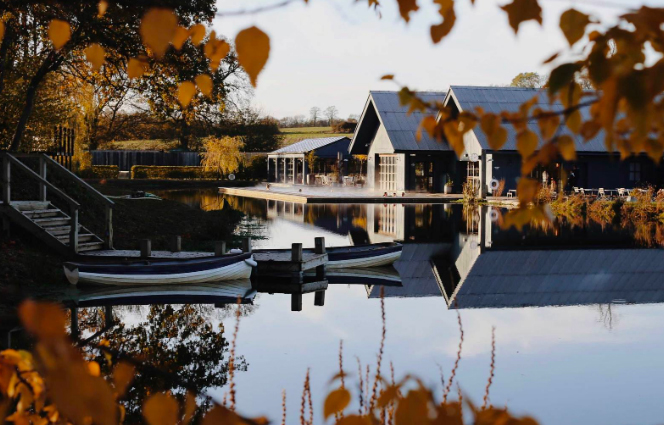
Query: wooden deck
[[310, 195]]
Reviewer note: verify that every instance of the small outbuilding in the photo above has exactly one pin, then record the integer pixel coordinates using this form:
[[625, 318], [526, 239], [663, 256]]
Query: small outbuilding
[[309, 161]]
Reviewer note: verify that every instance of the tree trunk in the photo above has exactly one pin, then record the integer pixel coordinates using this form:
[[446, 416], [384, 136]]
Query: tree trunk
[[51, 62], [184, 134], [4, 50]]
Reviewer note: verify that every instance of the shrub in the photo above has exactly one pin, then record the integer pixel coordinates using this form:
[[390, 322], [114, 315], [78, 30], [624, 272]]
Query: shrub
[[100, 172], [164, 172]]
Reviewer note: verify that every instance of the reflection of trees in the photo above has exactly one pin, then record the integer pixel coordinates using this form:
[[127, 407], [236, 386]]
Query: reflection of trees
[[607, 316], [179, 341]]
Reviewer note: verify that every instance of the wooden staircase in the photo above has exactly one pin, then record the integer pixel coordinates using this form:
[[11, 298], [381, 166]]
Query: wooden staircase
[[56, 228]]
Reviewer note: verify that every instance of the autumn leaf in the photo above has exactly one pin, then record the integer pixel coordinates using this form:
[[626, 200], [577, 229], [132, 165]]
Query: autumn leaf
[[2, 30], [122, 376], [186, 92], [566, 147], [158, 28], [573, 24], [438, 32], [59, 32], [44, 320], [573, 121], [495, 133], [336, 402], [96, 55], [161, 409], [429, 124], [94, 368], [354, 420], [388, 395], [253, 50], [197, 33], [205, 85], [189, 408], [101, 8], [220, 415], [548, 126], [136, 67], [522, 10], [387, 77], [526, 143], [561, 76], [527, 189], [413, 409], [180, 37], [406, 7]]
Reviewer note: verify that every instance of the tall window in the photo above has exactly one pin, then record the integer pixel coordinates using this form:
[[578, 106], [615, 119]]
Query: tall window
[[388, 172], [473, 174], [634, 172]]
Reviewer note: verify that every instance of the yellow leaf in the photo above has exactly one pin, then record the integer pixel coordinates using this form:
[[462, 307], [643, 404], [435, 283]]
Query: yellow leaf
[[102, 7], [42, 319], [189, 408], [161, 409], [137, 67], [336, 402], [186, 92], [406, 7], [180, 37], [96, 55], [94, 368], [574, 121], [59, 32], [253, 50], [387, 77], [388, 395], [573, 24], [205, 84], [495, 133], [216, 50], [438, 32], [197, 32], [548, 126], [527, 189], [526, 143], [566, 147], [429, 124], [522, 10], [589, 129], [413, 409], [122, 377], [220, 415], [158, 28], [2, 30]]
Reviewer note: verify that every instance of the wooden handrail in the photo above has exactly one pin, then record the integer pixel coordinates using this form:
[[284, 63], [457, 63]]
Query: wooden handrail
[[89, 188], [72, 203]]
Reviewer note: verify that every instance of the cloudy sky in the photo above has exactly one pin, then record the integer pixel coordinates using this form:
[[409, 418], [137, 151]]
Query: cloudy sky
[[332, 52]]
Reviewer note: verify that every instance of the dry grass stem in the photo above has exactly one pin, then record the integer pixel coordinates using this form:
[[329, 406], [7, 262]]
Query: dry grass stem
[[381, 350], [361, 384], [493, 368], [456, 362], [341, 363], [231, 361], [283, 407]]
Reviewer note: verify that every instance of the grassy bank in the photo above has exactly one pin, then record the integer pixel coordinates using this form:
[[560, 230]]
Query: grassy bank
[[292, 135]]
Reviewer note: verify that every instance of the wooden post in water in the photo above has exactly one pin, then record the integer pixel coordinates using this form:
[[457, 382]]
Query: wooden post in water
[[109, 226], [296, 253], [176, 243], [108, 316], [319, 244], [246, 245], [219, 248], [296, 302], [73, 313], [146, 248], [319, 298]]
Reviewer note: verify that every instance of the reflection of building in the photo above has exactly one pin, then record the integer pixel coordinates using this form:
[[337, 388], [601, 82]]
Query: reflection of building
[[290, 164], [337, 218]]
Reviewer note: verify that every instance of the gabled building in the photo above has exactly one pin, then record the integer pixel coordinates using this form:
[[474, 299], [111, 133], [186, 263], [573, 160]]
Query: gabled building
[[397, 161], [290, 165], [594, 167]]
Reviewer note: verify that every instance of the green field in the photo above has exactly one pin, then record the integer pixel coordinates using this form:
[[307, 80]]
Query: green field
[[142, 145], [292, 135]]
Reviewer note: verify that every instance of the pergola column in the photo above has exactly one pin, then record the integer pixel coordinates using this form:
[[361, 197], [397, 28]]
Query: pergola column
[[276, 170], [285, 180], [304, 171]]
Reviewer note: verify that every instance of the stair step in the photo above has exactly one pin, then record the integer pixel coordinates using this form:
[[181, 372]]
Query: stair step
[[52, 221], [33, 214], [90, 246], [60, 230], [85, 237], [30, 205]]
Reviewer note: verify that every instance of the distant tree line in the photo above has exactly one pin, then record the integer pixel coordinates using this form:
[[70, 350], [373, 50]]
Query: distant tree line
[[319, 118]]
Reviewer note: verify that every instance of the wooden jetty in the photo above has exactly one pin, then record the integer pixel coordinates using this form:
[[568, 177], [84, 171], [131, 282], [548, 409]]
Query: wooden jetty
[[284, 273]]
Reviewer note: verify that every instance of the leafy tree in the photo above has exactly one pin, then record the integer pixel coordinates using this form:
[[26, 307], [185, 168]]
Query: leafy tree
[[222, 155], [528, 80], [314, 112]]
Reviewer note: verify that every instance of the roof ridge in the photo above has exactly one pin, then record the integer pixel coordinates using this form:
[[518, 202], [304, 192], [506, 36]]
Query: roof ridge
[[495, 88]]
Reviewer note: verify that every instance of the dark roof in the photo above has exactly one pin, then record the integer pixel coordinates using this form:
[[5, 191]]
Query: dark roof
[[401, 127], [563, 277], [497, 99], [308, 145]]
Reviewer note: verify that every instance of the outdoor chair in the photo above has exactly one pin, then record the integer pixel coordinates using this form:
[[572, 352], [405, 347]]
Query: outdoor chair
[[511, 193], [600, 193]]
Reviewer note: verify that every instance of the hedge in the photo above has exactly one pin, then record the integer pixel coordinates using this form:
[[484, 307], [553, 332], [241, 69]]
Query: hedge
[[101, 172], [165, 172]]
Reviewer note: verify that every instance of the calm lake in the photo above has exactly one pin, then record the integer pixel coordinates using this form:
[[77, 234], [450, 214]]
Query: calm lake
[[576, 307]]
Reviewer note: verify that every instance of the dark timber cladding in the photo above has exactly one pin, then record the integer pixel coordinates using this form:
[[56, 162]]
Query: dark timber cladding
[[594, 168], [397, 161], [290, 164]]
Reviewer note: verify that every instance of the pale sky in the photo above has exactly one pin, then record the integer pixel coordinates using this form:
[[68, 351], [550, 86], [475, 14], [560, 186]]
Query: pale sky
[[332, 52]]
